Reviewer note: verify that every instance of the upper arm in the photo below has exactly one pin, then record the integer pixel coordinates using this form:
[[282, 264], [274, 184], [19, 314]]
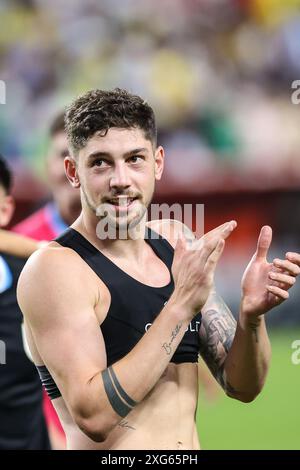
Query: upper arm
[[217, 332], [58, 302]]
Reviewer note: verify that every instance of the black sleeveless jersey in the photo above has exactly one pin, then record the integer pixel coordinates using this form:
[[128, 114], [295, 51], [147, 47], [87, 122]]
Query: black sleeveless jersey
[[22, 423], [134, 306]]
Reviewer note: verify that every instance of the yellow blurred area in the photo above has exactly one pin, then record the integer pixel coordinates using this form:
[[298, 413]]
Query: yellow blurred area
[[273, 12]]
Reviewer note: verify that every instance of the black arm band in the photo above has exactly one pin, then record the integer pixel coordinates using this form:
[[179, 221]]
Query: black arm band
[[118, 405], [121, 391]]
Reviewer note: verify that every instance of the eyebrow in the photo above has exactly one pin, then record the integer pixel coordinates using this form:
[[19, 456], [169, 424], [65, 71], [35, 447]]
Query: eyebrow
[[98, 154]]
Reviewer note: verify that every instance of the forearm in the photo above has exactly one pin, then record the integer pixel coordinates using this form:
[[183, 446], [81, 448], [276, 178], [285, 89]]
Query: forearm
[[247, 362], [17, 245], [136, 373]]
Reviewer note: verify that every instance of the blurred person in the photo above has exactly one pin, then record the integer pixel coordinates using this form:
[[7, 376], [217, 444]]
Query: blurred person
[[17, 245], [49, 222], [130, 314], [52, 219], [22, 423]]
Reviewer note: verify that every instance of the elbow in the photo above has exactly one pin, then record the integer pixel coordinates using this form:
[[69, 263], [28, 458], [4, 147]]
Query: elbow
[[247, 398], [92, 428], [94, 423], [244, 397]]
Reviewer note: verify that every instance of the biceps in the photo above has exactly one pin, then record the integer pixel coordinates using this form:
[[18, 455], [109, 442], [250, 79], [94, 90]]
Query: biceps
[[72, 349]]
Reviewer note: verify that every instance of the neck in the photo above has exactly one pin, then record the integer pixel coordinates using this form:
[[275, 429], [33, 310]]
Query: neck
[[124, 244]]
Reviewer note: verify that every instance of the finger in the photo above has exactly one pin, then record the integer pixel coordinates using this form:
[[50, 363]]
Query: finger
[[288, 266], [223, 230], [264, 242], [215, 255], [285, 279], [278, 292], [228, 229], [208, 247], [293, 257]]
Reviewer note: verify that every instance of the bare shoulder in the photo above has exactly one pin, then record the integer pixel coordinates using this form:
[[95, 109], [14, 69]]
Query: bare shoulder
[[56, 275], [171, 229], [50, 262]]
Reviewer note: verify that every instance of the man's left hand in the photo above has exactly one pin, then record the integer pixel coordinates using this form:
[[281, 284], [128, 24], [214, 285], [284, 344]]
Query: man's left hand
[[265, 285]]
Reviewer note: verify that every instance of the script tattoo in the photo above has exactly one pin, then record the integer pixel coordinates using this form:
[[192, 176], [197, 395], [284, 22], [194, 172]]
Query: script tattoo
[[125, 424], [216, 336], [168, 346]]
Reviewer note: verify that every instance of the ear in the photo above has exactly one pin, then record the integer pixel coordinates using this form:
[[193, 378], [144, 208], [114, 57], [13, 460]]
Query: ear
[[159, 162], [7, 208], [71, 171]]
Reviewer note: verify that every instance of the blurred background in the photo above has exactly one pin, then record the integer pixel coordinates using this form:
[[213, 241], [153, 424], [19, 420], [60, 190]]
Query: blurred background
[[219, 76]]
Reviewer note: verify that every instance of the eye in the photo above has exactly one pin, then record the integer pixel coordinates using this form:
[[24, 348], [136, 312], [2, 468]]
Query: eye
[[100, 162], [136, 158]]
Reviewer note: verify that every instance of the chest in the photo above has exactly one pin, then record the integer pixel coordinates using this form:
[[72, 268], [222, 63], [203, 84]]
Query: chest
[[151, 271]]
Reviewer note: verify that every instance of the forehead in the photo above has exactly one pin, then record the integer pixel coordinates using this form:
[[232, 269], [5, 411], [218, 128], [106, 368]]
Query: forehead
[[117, 141]]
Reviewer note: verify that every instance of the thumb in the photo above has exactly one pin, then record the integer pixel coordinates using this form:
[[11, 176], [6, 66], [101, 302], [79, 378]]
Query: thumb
[[264, 242]]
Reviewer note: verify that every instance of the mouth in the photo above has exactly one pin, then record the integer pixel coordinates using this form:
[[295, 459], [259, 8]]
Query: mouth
[[122, 202]]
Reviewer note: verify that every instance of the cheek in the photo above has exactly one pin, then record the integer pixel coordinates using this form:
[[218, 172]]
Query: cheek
[[146, 182], [94, 183]]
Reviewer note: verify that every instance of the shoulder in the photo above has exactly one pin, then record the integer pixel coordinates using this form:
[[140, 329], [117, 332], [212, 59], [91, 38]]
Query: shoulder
[[51, 257], [55, 274], [171, 230]]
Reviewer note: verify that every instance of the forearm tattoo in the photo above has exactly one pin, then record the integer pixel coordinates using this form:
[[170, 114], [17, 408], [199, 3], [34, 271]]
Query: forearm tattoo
[[121, 403], [254, 331], [217, 331], [168, 346]]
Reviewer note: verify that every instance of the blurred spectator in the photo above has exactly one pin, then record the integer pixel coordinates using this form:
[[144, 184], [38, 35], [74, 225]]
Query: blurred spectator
[[225, 67], [22, 423], [48, 222]]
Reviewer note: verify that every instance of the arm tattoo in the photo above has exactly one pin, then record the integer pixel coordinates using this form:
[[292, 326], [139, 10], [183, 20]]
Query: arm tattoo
[[125, 424], [254, 331], [168, 346], [121, 403], [216, 336]]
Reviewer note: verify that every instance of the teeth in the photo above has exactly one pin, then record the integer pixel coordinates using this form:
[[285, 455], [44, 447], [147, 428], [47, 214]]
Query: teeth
[[122, 201]]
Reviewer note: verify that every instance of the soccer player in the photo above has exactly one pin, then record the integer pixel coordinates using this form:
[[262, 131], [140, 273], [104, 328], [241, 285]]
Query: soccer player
[[117, 309]]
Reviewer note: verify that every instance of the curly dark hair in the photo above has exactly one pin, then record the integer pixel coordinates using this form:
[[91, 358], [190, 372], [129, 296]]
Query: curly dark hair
[[99, 110], [5, 175]]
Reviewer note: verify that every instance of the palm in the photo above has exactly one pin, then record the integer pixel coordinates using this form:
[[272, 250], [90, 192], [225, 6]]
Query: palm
[[256, 298], [265, 285]]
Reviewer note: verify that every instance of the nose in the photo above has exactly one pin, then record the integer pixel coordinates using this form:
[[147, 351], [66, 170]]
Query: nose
[[120, 177]]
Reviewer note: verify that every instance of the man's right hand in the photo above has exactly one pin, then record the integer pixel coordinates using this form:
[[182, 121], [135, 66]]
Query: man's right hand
[[194, 266]]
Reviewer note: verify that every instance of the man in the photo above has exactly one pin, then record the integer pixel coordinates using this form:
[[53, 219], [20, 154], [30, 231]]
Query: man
[[113, 321], [22, 424]]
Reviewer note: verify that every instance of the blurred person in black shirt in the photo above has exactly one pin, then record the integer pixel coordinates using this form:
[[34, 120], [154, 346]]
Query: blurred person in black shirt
[[22, 423]]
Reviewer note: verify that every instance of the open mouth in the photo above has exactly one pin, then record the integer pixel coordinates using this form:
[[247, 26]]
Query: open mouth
[[122, 202]]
